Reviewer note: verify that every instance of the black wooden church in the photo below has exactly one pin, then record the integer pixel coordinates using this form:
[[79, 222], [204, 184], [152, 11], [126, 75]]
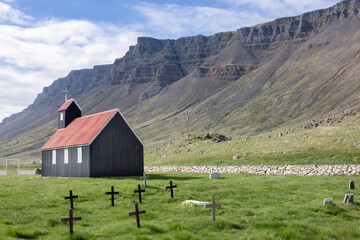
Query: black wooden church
[[98, 145]]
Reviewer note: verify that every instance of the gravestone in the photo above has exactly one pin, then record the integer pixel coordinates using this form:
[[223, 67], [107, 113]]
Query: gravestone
[[137, 213], [71, 197], [71, 219], [213, 205], [349, 198], [171, 189], [144, 177], [139, 191], [112, 195], [214, 175], [351, 185], [196, 202], [327, 201]]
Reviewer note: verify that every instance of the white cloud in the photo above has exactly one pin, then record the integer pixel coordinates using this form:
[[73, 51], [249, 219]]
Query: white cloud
[[281, 8], [32, 57], [176, 21], [8, 14]]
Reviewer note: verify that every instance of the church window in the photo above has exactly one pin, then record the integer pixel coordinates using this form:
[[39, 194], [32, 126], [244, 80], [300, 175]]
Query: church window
[[79, 154], [53, 156]]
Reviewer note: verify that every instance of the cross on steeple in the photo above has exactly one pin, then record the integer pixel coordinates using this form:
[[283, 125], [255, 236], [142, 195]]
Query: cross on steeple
[[66, 91]]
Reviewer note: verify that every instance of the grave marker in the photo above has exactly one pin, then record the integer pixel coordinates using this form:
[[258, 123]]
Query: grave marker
[[71, 219], [349, 198], [351, 185], [171, 189], [139, 191], [144, 177], [71, 197], [137, 213], [112, 195], [327, 201], [214, 175], [213, 205]]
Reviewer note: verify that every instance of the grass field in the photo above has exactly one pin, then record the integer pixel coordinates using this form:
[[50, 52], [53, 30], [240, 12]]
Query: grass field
[[253, 207], [324, 145]]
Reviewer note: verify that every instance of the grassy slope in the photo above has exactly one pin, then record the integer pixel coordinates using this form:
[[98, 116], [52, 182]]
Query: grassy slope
[[253, 207], [331, 144]]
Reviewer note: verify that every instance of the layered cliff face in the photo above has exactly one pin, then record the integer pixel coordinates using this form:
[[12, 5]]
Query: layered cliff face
[[255, 78]]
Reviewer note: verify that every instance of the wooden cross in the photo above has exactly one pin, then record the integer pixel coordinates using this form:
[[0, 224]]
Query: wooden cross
[[144, 177], [71, 219], [139, 191], [66, 92], [137, 213], [112, 195], [71, 199], [213, 205], [171, 189]]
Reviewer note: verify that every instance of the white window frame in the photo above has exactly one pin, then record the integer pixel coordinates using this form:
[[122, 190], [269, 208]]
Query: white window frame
[[53, 157], [66, 156], [61, 116], [79, 154]]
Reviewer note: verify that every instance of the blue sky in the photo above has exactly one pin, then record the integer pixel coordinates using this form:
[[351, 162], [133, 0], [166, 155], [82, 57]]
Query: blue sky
[[42, 40]]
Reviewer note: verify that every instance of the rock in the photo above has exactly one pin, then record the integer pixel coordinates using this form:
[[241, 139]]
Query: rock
[[356, 144], [207, 136], [163, 157], [236, 157]]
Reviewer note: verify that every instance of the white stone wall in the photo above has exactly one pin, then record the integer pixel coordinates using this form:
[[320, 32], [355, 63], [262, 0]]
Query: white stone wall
[[303, 170]]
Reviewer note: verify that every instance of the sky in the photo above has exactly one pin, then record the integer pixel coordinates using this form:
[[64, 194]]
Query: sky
[[43, 40]]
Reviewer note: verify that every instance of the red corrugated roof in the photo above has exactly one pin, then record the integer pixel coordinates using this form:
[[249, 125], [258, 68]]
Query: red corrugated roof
[[81, 131], [66, 105]]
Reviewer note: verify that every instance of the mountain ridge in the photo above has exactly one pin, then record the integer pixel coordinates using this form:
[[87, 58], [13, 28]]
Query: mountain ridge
[[220, 79]]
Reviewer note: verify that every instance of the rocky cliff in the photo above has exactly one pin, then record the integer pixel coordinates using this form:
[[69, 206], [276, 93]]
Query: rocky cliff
[[285, 71]]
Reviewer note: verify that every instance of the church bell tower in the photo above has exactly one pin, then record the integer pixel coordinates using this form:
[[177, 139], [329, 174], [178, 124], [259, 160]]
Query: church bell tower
[[69, 111]]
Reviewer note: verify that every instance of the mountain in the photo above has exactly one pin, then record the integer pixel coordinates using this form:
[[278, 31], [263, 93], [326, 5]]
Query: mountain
[[271, 75]]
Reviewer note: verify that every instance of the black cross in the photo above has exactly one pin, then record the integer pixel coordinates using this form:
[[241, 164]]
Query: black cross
[[213, 205], [139, 191], [137, 213], [71, 219], [71, 199], [112, 195], [171, 189], [144, 177]]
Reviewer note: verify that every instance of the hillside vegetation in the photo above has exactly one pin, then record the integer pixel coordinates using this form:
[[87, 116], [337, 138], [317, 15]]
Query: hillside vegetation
[[337, 143]]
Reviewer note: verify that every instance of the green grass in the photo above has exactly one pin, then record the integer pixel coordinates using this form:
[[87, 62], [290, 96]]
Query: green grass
[[253, 207], [323, 145]]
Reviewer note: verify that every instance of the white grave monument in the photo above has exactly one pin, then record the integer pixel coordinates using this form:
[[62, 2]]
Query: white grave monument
[[327, 201]]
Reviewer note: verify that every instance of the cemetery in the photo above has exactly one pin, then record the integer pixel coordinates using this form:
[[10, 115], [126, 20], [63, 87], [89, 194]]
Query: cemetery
[[234, 206]]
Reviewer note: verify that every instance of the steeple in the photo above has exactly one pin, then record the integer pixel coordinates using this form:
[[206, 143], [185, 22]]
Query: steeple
[[68, 112]]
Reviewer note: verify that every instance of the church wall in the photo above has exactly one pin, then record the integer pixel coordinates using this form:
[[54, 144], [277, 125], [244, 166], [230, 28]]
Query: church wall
[[116, 151], [71, 169]]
